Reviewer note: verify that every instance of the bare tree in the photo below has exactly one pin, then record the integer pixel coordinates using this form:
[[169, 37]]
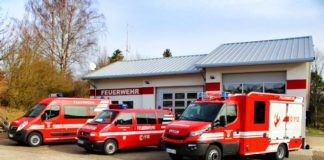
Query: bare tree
[[67, 28], [316, 86], [5, 37]]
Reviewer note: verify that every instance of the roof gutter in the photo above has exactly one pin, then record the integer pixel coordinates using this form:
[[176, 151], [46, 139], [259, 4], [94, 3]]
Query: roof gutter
[[255, 63]]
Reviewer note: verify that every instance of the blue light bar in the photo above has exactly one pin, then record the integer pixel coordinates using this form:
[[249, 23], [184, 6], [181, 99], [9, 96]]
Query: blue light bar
[[201, 94], [123, 106], [225, 95]]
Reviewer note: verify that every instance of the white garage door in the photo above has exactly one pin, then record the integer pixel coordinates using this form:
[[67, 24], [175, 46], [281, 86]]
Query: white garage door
[[269, 82], [177, 98]]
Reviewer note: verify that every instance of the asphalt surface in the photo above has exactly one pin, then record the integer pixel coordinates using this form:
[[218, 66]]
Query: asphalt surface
[[10, 150]]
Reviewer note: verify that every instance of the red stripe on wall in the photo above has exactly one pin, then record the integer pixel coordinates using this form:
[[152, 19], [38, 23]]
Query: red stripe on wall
[[215, 86], [148, 90], [296, 84]]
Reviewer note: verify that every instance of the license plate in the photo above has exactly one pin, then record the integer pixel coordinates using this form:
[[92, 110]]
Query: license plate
[[80, 141], [169, 150], [11, 135]]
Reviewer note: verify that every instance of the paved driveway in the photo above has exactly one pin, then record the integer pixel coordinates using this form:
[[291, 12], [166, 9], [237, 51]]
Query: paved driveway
[[9, 150]]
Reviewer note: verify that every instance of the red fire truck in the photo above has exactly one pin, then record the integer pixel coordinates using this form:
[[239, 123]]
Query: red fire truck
[[53, 119], [124, 128], [256, 123]]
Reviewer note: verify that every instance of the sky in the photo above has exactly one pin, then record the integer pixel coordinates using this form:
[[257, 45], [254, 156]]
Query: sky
[[197, 26]]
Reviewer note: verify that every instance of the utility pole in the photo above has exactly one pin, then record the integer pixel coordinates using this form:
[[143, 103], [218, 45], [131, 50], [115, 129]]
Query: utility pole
[[127, 44]]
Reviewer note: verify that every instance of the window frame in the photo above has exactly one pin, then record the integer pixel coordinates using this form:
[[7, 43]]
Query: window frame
[[79, 117]]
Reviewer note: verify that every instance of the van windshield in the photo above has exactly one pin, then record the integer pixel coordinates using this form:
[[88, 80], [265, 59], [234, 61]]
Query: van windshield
[[201, 112], [35, 111], [105, 117]]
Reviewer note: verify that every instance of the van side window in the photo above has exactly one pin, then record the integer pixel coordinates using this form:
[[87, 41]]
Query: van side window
[[145, 118], [125, 119], [259, 112], [52, 112], [231, 113], [164, 118], [81, 112]]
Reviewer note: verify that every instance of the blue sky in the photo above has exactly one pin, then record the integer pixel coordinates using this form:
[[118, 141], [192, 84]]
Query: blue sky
[[199, 26]]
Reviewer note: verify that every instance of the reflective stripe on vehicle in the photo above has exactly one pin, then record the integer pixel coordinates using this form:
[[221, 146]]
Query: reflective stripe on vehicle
[[130, 133]]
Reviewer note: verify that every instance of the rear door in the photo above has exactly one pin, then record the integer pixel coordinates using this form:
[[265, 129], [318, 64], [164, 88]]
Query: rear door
[[293, 120], [277, 126]]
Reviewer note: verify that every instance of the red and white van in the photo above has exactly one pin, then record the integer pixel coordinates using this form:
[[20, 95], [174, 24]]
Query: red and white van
[[256, 123], [53, 119], [124, 128]]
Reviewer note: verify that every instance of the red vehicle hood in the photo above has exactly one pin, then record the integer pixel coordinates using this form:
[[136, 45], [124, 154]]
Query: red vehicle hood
[[183, 128], [92, 127], [18, 121]]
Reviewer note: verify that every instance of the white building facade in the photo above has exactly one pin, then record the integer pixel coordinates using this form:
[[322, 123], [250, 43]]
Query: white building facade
[[274, 66]]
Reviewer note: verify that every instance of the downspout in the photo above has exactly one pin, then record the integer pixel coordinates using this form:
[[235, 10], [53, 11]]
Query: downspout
[[94, 87], [203, 74]]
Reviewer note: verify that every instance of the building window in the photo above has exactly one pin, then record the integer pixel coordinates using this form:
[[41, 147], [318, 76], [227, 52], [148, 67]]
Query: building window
[[167, 96], [179, 96], [192, 95], [275, 87], [114, 102], [259, 112], [130, 104], [167, 103], [252, 87], [179, 103]]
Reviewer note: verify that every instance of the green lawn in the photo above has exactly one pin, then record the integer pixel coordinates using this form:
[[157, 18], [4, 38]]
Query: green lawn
[[314, 131]]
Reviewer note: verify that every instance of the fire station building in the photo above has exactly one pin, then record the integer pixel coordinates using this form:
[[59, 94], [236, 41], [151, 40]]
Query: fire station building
[[273, 66]]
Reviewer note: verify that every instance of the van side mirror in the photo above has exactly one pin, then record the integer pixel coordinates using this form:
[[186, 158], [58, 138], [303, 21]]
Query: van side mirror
[[222, 121], [177, 116]]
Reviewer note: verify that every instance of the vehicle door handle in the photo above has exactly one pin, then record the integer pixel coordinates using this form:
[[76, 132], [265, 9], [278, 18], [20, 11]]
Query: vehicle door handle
[[237, 131]]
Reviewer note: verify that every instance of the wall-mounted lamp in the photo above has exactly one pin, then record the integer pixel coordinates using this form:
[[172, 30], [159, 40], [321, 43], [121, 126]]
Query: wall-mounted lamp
[[212, 77], [147, 82]]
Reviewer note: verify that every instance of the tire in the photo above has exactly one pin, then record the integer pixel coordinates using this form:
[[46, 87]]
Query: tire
[[175, 156], [281, 152], [213, 153], [110, 147], [34, 139]]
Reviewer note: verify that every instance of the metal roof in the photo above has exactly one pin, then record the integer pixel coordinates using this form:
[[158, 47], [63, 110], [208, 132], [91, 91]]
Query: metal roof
[[148, 67], [289, 50]]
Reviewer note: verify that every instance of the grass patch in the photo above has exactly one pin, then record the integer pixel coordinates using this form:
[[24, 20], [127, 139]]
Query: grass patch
[[314, 131], [11, 113]]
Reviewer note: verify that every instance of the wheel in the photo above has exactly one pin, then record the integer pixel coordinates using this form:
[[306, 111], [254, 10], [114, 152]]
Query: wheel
[[213, 153], [175, 156], [110, 147], [281, 152], [34, 139]]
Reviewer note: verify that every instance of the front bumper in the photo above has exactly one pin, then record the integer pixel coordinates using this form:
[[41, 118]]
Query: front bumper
[[89, 144], [20, 136], [187, 149]]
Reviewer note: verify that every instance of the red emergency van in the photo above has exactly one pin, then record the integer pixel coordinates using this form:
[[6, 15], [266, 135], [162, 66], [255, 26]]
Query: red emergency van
[[256, 123], [124, 128], [53, 119]]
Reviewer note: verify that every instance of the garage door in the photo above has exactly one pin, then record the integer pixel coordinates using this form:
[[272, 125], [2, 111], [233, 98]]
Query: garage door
[[177, 98], [269, 82]]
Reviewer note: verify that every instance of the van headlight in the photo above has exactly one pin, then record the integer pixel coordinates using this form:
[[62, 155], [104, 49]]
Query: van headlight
[[199, 132], [22, 125], [93, 133]]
